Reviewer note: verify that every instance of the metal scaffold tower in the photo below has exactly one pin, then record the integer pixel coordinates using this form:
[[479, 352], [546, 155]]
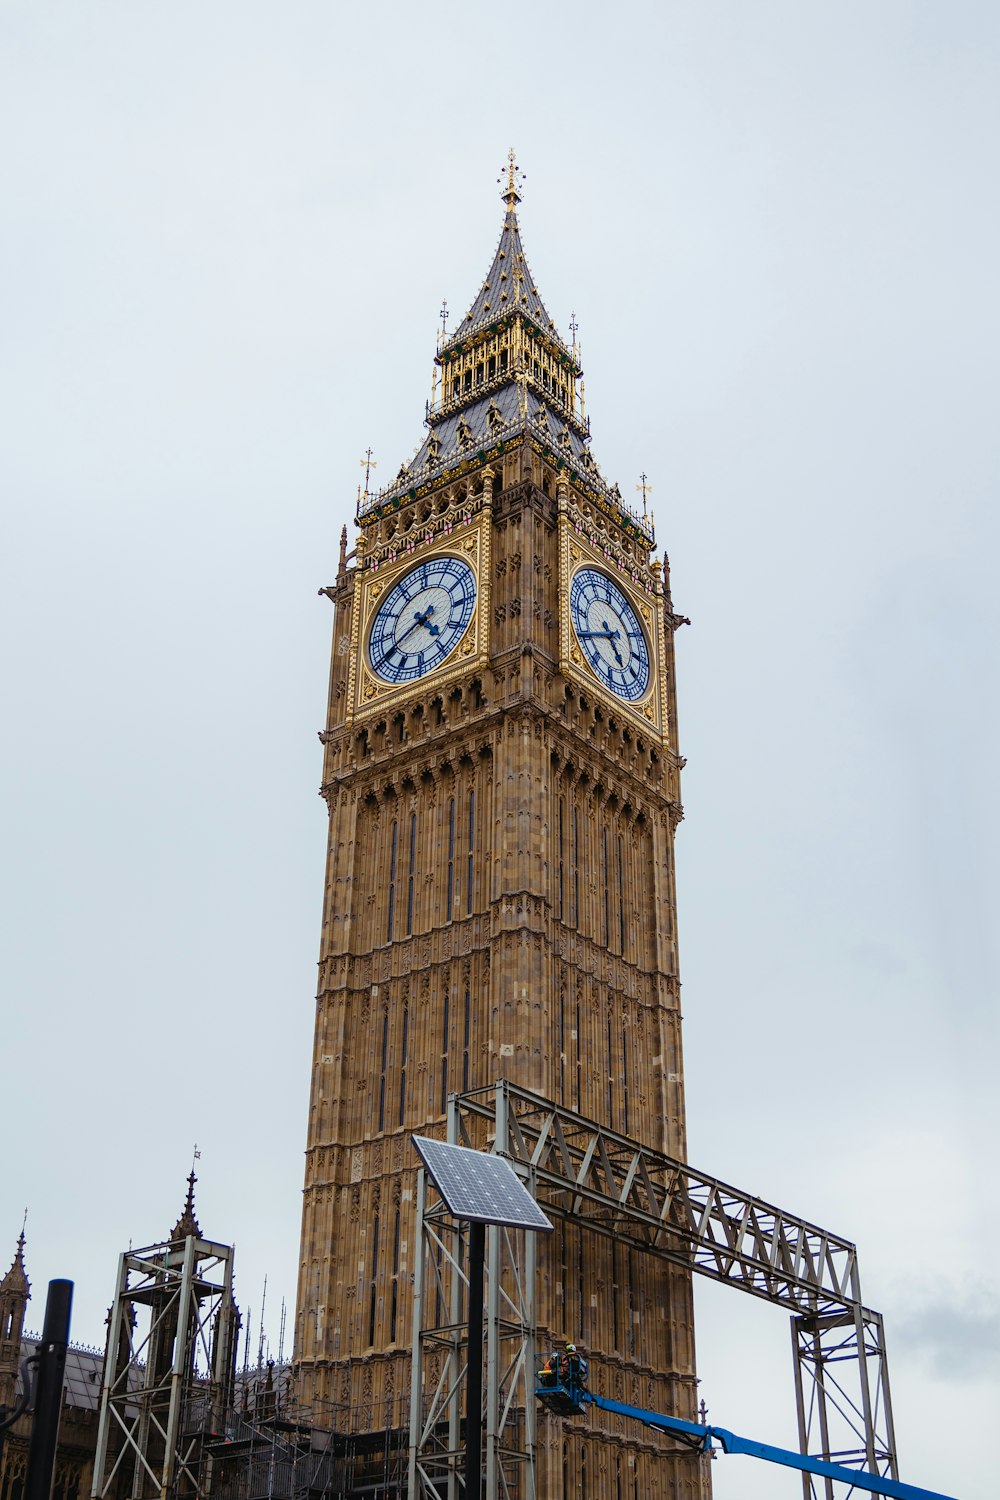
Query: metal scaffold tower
[[609, 1184], [168, 1373], [440, 1350]]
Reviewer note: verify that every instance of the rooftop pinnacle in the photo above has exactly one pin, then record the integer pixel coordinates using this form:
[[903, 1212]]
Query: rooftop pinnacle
[[187, 1223]]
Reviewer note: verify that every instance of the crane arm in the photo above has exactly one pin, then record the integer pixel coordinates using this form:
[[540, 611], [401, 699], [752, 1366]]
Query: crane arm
[[568, 1399], [729, 1442]]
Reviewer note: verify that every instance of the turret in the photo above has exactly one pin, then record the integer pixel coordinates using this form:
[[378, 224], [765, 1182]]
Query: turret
[[15, 1290]]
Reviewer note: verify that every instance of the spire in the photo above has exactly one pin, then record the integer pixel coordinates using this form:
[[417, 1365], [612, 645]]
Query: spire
[[15, 1290], [509, 286], [503, 376], [16, 1280], [187, 1223]]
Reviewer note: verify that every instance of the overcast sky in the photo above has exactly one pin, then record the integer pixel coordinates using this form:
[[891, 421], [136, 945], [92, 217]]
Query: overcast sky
[[225, 233]]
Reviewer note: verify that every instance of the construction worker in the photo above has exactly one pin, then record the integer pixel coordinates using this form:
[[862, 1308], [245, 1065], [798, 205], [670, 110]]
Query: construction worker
[[575, 1366], [548, 1375]]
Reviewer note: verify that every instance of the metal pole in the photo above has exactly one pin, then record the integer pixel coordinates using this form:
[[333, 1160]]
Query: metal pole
[[48, 1397], [107, 1381], [474, 1376], [417, 1367], [454, 1319], [530, 1351], [493, 1363]]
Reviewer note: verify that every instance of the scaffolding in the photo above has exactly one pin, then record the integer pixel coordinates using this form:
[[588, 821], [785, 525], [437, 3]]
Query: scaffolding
[[168, 1371], [440, 1342], [609, 1184]]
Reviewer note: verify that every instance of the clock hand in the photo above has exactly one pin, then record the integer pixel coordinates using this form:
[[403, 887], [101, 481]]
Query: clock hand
[[612, 637], [418, 619]]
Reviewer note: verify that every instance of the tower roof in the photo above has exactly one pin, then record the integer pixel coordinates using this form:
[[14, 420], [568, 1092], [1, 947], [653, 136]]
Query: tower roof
[[506, 377], [187, 1223], [16, 1279], [509, 286]]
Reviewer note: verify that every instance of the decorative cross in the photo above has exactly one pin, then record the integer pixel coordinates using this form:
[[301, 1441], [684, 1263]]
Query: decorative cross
[[574, 327], [515, 177], [646, 489], [444, 316], [368, 463]]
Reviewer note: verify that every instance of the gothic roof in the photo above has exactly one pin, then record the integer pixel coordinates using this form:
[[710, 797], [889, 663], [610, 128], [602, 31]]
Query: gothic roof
[[82, 1377], [16, 1279], [511, 409], [531, 396], [509, 287]]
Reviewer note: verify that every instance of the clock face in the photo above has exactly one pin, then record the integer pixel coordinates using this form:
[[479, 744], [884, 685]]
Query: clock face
[[422, 619], [609, 633]]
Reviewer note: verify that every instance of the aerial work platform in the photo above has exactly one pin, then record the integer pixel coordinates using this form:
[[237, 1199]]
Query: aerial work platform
[[567, 1397]]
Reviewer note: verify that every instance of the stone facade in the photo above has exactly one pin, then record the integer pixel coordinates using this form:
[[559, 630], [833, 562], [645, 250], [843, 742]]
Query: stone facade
[[500, 898]]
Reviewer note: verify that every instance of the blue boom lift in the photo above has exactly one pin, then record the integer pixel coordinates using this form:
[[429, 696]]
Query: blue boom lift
[[562, 1391]]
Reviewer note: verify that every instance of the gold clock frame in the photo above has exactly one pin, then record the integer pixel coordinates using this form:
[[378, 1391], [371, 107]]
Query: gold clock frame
[[367, 693], [577, 552]]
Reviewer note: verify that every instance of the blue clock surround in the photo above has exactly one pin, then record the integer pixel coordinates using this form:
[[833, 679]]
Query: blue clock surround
[[422, 619], [610, 635]]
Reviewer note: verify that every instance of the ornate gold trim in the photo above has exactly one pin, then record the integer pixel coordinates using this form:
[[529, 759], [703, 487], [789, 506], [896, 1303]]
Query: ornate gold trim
[[576, 551], [369, 694]]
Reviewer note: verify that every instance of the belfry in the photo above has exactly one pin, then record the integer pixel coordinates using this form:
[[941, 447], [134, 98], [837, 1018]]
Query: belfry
[[502, 776]]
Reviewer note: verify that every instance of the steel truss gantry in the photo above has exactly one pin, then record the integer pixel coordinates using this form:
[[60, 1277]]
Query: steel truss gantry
[[168, 1370], [606, 1182]]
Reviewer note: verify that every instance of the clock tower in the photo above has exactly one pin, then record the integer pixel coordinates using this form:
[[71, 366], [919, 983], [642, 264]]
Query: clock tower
[[502, 777]]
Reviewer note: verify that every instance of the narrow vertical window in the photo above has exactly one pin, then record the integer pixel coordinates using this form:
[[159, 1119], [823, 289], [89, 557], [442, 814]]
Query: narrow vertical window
[[451, 858], [444, 1057], [611, 1075], [579, 1065], [607, 893], [631, 1303], [621, 901], [465, 1044], [625, 1075], [381, 1086], [409, 881], [402, 1067], [576, 866], [392, 880], [472, 845], [581, 1320], [394, 1305], [562, 1047], [562, 871], [371, 1303]]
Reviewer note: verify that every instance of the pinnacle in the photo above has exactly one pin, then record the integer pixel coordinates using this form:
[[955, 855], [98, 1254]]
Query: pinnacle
[[16, 1279], [187, 1223]]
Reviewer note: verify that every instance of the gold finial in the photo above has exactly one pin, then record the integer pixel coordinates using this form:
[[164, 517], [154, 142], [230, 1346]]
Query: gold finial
[[367, 463], [515, 177], [574, 329], [645, 488]]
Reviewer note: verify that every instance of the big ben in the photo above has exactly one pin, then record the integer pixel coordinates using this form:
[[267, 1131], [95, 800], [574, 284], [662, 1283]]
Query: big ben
[[502, 776]]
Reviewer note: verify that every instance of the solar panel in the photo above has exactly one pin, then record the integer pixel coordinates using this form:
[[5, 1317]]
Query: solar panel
[[480, 1187]]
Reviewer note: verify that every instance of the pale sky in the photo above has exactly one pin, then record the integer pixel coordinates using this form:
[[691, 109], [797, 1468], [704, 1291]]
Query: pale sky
[[225, 233]]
